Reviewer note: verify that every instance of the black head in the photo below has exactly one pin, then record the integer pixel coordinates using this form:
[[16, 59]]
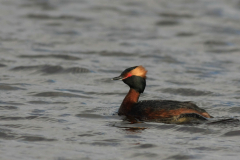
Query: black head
[[134, 77], [135, 82]]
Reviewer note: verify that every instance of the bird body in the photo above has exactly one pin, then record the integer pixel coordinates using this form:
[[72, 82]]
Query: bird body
[[160, 110]]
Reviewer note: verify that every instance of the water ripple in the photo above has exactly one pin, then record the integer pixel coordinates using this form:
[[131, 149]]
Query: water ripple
[[59, 94], [8, 108], [50, 69], [35, 138], [65, 57], [9, 87], [62, 17], [186, 91], [232, 133]]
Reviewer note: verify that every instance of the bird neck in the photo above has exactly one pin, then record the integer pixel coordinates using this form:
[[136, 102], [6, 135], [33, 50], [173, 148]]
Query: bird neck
[[128, 102]]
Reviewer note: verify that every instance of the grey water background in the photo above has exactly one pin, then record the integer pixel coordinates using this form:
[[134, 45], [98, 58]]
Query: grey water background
[[57, 57]]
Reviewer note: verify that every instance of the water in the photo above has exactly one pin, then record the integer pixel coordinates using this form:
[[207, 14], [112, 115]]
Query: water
[[57, 57]]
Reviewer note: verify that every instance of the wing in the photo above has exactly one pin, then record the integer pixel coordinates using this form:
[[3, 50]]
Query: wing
[[156, 109], [166, 105]]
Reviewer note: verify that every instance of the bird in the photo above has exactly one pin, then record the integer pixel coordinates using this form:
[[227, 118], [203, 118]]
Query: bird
[[167, 111]]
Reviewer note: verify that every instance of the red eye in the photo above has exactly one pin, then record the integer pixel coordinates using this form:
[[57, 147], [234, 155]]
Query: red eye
[[128, 75]]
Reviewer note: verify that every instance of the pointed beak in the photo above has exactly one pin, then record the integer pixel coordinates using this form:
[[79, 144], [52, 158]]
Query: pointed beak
[[118, 78]]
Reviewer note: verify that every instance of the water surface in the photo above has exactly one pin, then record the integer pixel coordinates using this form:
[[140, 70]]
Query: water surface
[[57, 58]]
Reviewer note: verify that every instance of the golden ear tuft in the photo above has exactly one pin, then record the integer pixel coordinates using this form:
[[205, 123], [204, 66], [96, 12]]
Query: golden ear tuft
[[139, 71]]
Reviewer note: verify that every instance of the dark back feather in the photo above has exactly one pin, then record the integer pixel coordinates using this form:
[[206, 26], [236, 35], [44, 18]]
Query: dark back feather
[[167, 105]]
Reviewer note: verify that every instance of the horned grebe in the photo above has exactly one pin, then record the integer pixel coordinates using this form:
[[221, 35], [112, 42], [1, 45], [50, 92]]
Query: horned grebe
[[160, 110]]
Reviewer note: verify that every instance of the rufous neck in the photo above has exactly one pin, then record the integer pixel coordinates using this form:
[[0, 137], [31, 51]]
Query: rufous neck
[[128, 102]]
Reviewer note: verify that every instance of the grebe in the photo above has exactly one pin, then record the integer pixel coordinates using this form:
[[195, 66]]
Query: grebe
[[168, 111]]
